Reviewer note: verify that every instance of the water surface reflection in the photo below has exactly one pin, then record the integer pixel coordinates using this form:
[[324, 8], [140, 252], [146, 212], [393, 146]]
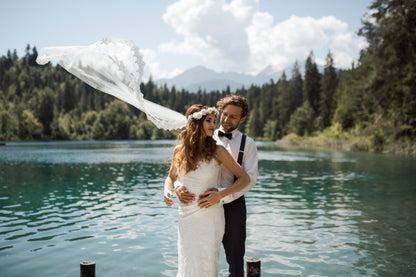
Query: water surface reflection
[[312, 213]]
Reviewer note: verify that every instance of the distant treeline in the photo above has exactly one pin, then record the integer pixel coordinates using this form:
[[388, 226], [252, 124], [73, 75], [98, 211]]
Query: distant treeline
[[376, 98]]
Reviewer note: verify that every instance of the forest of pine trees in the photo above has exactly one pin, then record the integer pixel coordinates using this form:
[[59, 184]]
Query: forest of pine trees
[[375, 99]]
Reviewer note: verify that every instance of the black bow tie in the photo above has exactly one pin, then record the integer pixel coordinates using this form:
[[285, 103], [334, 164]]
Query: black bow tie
[[227, 135]]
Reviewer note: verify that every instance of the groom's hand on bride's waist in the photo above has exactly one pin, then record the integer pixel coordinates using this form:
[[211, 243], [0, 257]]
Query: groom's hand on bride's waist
[[205, 200], [184, 195]]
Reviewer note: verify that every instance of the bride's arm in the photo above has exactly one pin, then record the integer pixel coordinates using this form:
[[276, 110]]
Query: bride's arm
[[167, 192], [243, 179]]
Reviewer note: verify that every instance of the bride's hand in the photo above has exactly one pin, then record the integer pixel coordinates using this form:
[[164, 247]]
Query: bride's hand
[[167, 197], [209, 198]]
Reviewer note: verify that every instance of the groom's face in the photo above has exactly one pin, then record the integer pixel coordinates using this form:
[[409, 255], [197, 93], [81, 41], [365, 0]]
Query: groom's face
[[231, 118]]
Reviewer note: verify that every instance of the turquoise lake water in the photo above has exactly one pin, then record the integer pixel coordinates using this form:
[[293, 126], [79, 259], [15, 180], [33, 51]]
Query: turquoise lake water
[[312, 213]]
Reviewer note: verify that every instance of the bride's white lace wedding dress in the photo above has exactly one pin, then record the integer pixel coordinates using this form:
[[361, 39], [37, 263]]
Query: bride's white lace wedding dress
[[200, 231]]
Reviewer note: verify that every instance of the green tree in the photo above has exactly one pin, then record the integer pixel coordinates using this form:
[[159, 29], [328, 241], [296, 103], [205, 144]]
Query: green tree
[[67, 126], [329, 84], [312, 83], [29, 126], [283, 100], [98, 130], [145, 128], [271, 130], [390, 30], [161, 134], [302, 120], [45, 109], [67, 97], [253, 127], [6, 125], [57, 129], [113, 122], [290, 97], [88, 120], [349, 103], [266, 101]]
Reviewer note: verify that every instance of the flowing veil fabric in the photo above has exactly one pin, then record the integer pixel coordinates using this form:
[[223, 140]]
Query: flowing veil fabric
[[114, 66]]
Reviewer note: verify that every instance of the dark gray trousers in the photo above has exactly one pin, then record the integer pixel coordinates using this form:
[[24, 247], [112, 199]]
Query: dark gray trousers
[[235, 235]]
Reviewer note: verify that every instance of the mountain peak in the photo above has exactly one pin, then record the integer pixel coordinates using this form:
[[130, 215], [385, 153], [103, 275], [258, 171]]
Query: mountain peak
[[196, 74], [202, 78]]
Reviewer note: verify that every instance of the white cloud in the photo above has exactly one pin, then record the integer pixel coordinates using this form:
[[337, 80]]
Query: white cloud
[[213, 30], [242, 9], [293, 39], [235, 36], [153, 68], [281, 44]]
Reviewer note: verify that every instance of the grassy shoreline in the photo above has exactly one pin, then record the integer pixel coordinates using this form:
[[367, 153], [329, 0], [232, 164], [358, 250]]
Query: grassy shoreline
[[348, 142]]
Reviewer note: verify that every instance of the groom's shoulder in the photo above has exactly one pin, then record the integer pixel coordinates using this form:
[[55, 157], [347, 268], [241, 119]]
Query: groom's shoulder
[[249, 140], [247, 137]]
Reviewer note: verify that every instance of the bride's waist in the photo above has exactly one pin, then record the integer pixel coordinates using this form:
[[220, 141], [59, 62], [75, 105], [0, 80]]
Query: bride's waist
[[193, 207], [197, 191], [189, 206]]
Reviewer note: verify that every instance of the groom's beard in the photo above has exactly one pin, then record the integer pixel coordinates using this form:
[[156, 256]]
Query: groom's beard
[[230, 129]]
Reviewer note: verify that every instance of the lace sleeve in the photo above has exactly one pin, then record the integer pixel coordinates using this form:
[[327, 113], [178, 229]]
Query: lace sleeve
[[114, 66]]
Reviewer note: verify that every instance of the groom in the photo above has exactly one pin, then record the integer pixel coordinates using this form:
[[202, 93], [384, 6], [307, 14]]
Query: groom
[[234, 111]]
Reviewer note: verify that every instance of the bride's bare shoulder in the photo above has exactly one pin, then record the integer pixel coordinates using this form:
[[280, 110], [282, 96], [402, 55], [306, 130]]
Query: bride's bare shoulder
[[221, 150], [176, 149]]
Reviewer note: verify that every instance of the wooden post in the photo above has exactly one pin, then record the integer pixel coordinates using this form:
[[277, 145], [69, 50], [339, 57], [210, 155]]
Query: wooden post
[[253, 267], [87, 269]]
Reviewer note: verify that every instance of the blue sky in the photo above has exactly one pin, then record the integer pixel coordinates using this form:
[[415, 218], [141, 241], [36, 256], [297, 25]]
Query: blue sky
[[242, 36]]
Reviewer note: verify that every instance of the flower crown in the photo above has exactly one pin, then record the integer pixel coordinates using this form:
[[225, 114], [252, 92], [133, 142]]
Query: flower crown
[[201, 113]]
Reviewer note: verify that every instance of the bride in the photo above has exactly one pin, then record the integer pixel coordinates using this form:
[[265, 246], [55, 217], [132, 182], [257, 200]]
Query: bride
[[195, 164]]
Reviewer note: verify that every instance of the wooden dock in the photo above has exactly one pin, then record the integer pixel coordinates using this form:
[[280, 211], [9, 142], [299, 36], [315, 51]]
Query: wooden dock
[[252, 267]]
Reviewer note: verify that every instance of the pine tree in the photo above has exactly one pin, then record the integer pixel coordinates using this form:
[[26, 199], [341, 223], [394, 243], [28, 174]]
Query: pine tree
[[329, 84], [68, 97], [32, 57], [283, 100], [312, 83], [253, 127], [391, 62], [290, 97], [45, 111]]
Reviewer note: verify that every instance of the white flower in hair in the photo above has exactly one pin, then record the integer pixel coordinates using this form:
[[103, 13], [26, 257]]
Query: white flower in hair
[[203, 112], [197, 115]]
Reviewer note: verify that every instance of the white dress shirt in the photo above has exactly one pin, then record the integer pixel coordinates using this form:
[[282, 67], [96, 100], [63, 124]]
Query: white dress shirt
[[249, 164]]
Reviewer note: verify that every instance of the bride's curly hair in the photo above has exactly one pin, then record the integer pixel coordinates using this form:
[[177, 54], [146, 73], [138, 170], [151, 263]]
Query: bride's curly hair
[[195, 146]]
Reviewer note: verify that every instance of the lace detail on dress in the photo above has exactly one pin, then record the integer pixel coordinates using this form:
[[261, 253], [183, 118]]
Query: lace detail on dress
[[114, 66]]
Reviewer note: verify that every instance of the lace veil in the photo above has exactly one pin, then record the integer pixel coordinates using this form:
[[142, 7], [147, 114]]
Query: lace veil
[[114, 66]]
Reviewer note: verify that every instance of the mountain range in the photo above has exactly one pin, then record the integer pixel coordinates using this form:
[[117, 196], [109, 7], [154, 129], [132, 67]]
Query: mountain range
[[205, 79], [202, 78]]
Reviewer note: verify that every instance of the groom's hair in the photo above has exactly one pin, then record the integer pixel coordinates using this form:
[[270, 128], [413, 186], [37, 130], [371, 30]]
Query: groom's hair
[[236, 100]]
